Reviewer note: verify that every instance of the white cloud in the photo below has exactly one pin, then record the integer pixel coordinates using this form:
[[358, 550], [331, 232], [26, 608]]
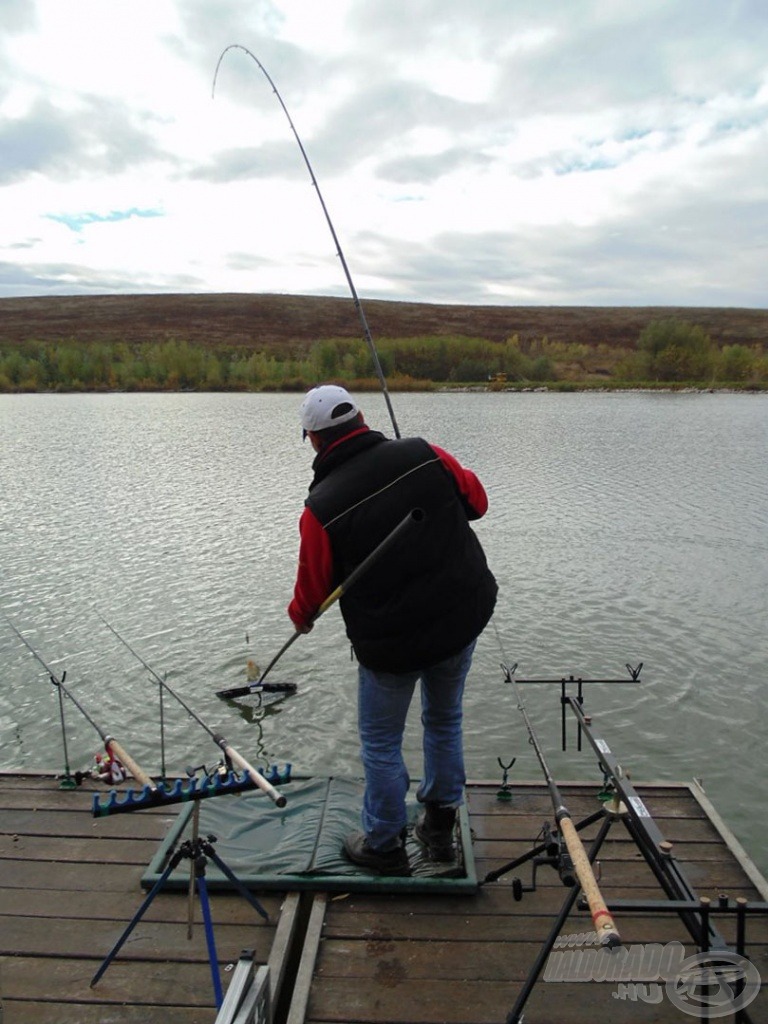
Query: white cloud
[[491, 152]]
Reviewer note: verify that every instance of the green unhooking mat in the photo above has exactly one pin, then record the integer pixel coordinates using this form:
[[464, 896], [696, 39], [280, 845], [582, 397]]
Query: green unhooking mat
[[299, 846]]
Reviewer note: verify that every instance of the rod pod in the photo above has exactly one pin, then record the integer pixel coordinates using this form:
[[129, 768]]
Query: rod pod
[[605, 928]]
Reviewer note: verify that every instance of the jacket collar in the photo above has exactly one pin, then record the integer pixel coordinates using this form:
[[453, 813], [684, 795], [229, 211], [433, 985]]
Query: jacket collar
[[340, 451]]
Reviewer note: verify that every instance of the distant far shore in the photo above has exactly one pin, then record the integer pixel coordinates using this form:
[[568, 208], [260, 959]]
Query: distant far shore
[[256, 343]]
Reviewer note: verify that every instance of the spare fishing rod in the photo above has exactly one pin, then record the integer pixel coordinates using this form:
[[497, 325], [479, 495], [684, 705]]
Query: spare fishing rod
[[340, 253], [113, 748], [605, 927], [230, 754], [416, 515]]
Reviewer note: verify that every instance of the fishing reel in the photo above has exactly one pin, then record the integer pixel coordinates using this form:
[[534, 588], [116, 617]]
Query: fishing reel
[[274, 773], [220, 770], [554, 854]]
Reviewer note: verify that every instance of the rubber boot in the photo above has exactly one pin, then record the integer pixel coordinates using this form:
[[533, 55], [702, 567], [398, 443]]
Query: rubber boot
[[390, 862], [435, 831]]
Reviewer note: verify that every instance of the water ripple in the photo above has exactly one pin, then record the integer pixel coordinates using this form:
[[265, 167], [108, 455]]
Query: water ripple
[[622, 528]]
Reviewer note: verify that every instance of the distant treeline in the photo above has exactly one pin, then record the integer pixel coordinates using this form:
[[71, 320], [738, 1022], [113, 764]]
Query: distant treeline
[[667, 351]]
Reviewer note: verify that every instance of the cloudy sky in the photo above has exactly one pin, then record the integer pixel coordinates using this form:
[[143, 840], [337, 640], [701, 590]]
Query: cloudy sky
[[513, 152]]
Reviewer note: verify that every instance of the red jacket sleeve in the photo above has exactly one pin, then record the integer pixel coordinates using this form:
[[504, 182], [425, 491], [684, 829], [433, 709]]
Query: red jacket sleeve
[[314, 579], [470, 488]]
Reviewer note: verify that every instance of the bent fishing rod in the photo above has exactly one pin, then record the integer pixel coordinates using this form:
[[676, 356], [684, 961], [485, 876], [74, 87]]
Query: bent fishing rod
[[602, 920], [339, 251], [416, 515], [113, 748], [231, 755]]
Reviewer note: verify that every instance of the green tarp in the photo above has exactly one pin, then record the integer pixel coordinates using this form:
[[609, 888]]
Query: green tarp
[[299, 846]]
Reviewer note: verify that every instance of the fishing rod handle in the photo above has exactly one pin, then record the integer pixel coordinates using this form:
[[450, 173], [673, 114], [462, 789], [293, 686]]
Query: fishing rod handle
[[256, 777], [416, 515], [605, 927], [114, 748]]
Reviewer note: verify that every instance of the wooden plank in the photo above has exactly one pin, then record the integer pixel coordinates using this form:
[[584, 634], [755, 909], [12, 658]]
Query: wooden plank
[[21, 797], [525, 927], [166, 906], [610, 852], [706, 876], [738, 851], [663, 803], [103, 878], [394, 999], [149, 940], [282, 945], [67, 980], [304, 976], [31, 780], [536, 918], [51, 798], [94, 848], [34, 1012], [378, 958], [490, 959], [602, 1003], [493, 827], [493, 899], [73, 824]]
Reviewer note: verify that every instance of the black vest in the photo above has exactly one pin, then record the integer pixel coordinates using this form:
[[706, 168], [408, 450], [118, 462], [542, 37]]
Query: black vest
[[430, 594]]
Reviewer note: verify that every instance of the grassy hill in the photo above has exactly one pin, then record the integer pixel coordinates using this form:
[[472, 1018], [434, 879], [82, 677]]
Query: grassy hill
[[257, 342], [282, 324]]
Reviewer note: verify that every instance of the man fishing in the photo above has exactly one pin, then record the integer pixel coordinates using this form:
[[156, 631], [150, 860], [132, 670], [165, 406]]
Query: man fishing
[[415, 615]]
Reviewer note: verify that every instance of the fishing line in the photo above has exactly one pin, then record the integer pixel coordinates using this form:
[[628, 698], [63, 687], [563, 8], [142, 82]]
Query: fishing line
[[339, 251], [161, 682]]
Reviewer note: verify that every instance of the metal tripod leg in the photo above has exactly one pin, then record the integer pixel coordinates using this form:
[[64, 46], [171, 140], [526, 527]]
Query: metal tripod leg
[[198, 850], [213, 960], [235, 881], [137, 916]]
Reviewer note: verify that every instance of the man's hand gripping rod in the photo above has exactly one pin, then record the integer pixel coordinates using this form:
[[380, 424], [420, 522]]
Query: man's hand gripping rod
[[605, 927], [416, 515]]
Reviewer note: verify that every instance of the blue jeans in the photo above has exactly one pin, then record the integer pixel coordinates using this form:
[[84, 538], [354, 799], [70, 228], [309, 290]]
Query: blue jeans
[[383, 702]]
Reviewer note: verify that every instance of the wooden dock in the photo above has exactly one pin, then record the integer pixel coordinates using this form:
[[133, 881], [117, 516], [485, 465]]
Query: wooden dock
[[70, 885]]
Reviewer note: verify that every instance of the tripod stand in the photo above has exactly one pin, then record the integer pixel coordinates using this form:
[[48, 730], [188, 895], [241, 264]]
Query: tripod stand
[[197, 850]]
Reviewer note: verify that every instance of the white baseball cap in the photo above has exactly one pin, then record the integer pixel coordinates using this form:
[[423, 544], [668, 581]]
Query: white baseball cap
[[326, 406]]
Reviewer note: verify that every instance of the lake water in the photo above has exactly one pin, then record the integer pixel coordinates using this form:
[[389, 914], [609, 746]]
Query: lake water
[[623, 528]]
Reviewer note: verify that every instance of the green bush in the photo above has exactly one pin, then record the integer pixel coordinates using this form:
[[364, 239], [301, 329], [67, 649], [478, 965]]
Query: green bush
[[677, 351], [735, 363], [668, 352]]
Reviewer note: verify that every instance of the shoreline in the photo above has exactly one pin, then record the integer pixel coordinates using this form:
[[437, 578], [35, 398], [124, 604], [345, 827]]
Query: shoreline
[[566, 388]]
